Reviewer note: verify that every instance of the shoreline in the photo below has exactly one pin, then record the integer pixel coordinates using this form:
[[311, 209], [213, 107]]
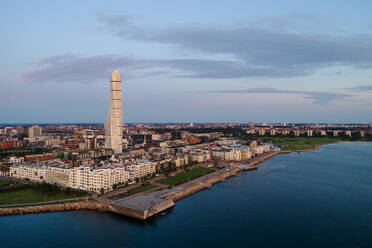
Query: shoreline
[[209, 182], [190, 188], [205, 182]]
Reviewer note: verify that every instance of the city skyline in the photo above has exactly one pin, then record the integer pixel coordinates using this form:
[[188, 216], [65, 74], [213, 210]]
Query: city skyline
[[237, 62]]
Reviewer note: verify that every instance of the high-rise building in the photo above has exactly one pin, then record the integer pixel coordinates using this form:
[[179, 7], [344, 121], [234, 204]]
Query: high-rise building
[[35, 131], [251, 125], [113, 126]]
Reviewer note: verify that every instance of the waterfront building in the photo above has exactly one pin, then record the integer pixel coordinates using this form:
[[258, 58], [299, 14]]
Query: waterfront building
[[348, 133], [296, 133], [361, 133], [141, 169], [309, 133], [285, 132], [88, 178], [336, 133], [114, 123], [261, 132], [240, 153], [181, 161], [200, 156]]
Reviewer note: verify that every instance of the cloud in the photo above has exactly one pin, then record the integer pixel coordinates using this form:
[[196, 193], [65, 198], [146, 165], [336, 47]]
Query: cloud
[[317, 97], [271, 47], [71, 68], [360, 88]]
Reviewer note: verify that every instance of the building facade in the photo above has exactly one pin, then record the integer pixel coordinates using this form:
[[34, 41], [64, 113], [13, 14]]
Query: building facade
[[114, 123]]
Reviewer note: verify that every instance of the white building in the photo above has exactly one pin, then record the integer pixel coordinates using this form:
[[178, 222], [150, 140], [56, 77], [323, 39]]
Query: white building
[[141, 169], [35, 131], [83, 178], [113, 126]]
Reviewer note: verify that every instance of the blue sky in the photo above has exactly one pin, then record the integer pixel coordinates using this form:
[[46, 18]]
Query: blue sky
[[189, 61]]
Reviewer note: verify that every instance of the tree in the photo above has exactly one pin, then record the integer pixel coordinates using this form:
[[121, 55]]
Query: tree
[[137, 179], [103, 191], [114, 187]]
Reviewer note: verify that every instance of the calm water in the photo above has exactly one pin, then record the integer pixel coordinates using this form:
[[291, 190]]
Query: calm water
[[314, 199]]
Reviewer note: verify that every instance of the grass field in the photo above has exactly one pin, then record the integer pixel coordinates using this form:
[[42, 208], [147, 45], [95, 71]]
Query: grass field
[[299, 143], [2, 182], [133, 191], [185, 176], [142, 188], [19, 193]]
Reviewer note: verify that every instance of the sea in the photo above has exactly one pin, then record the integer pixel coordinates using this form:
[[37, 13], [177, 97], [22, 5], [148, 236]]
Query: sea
[[321, 198]]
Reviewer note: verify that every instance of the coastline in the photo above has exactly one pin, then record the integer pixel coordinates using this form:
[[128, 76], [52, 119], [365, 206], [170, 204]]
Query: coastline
[[187, 189], [208, 182], [205, 182]]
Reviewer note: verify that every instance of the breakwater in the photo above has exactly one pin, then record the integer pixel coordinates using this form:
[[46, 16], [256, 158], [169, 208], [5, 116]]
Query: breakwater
[[81, 205]]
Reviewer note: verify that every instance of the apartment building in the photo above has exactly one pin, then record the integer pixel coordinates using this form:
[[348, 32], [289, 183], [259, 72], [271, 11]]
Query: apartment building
[[88, 178]]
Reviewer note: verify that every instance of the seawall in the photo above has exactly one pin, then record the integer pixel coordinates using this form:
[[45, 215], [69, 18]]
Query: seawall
[[81, 205], [187, 191], [202, 185]]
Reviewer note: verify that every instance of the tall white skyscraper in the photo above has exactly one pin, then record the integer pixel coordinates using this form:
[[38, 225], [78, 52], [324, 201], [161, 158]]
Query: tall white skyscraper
[[113, 125]]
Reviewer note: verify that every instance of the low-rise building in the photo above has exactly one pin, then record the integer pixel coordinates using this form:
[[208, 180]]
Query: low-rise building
[[88, 178], [309, 133]]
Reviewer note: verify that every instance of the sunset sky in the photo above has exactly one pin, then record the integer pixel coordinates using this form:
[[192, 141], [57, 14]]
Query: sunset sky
[[187, 61]]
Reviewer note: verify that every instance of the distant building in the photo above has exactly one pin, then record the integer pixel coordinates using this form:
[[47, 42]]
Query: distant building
[[261, 132], [285, 132], [361, 133], [35, 131], [309, 133], [251, 125], [348, 133], [296, 133], [336, 133]]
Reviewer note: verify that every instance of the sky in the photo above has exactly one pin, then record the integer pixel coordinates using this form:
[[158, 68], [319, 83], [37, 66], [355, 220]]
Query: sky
[[187, 61]]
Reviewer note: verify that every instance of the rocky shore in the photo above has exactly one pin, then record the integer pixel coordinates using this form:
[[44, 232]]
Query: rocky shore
[[208, 182], [81, 205], [202, 185]]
